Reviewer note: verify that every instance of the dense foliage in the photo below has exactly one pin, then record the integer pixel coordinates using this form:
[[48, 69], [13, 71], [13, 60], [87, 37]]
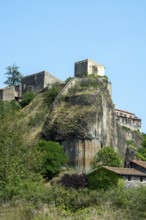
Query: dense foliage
[[18, 162], [107, 156], [102, 179], [53, 158], [75, 180], [52, 94], [142, 151], [13, 75], [27, 98]]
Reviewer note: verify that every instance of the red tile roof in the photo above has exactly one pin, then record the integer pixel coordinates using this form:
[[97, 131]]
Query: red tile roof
[[125, 171], [140, 163]]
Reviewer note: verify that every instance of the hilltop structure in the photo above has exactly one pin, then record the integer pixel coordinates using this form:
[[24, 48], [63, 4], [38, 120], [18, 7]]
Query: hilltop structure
[[31, 83], [11, 93], [88, 67], [38, 81], [128, 119], [83, 117]]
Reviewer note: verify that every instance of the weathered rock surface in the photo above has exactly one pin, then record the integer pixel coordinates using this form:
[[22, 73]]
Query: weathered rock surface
[[83, 120]]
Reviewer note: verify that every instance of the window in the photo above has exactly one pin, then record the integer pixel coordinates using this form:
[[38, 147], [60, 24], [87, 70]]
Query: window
[[141, 179], [129, 178]]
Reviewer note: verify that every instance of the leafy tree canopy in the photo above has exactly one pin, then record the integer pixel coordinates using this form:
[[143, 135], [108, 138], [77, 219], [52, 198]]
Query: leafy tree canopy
[[107, 156], [13, 75], [19, 166], [53, 158]]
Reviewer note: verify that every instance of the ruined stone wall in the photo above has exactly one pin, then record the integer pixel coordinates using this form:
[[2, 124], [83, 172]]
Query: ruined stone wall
[[9, 93], [34, 82], [37, 82]]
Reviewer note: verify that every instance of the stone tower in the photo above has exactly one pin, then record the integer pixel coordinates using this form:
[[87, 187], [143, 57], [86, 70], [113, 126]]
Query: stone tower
[[88, 67]]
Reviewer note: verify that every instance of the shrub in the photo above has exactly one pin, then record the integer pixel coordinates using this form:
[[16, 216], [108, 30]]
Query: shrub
[[52, 94], [27, 98], [107, 156], [75, 180], [102, 179], [53, 158], [68, 79]]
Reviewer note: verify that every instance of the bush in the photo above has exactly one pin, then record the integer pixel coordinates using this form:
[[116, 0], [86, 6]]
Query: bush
[[27, 98], [102, 179], [75, 181], [53, 158], [52, 94], [107, 156]]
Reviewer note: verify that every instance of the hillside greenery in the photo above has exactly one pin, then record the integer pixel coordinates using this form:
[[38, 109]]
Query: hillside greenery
[[107, 156], [24, 168]]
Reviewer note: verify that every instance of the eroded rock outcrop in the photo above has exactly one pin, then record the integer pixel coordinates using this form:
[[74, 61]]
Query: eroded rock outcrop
[[83, 120]]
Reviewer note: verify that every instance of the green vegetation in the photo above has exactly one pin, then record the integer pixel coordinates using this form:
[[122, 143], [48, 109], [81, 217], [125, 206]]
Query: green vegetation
[[142, 151], [25, 194], [27, 98], [13, 75], [19, 164], [68, 79], [53, 158], [102, 179], [52, 94], [85, 204], [107, 156]]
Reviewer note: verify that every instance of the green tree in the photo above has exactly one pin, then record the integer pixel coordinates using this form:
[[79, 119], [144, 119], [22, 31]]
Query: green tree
[[13, 75], [107, 156], [53, 158], [19, 166]]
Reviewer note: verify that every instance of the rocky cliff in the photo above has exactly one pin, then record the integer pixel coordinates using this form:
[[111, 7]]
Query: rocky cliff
[[83, 120]]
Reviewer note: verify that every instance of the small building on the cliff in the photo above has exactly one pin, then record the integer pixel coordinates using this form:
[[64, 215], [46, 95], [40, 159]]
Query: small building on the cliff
[[88, 67], [34, 83], [10, 93], [128, 119], [38, 81]]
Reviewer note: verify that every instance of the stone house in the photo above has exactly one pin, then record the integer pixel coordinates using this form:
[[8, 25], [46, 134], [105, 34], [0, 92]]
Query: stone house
[[132, 176], [128, 119]]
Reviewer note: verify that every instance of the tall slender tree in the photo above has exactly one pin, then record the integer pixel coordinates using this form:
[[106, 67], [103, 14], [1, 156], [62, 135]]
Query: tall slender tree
[[13, 75]]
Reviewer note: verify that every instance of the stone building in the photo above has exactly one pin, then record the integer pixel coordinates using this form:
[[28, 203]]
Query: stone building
[[35, 83], [128, 119], [139, 165], [88, 67], [10, 93], [132, 177], [38, 81]]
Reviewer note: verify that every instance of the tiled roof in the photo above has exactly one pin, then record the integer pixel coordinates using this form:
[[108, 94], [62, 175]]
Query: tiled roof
[[125, 171], [119, 110], [140, 163]]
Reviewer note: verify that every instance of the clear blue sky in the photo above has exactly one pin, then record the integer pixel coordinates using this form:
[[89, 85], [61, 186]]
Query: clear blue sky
[[52, 34]]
